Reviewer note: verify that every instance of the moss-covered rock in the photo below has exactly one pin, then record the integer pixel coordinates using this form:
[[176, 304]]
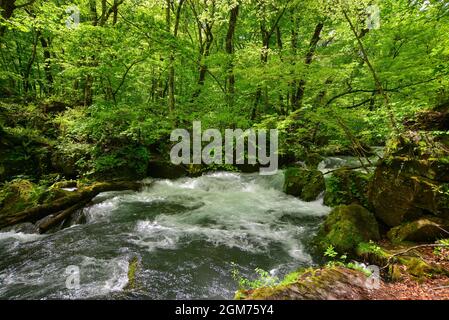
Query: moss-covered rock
[[330, 283], [398, 261], [303, 183], [346, 227], [426, 229], [346, 186], [413, 179], [313, 159], [405, 189], [133, 268], [18, 195]]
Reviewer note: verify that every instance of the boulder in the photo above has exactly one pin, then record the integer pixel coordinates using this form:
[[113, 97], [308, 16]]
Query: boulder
[[303, 183], [332, 283], [426, 229], [26, 227], [405, 189], [346, 186], [313, 159], [346, 227], [166, 170]]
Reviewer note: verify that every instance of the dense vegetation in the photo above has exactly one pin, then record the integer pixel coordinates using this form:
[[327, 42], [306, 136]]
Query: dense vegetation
[[101, 97], [90, 91]]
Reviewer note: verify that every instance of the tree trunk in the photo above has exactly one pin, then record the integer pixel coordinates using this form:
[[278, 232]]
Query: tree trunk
[[47, 64], [376, 78], [308, 61], [58, 206], [230, 79]]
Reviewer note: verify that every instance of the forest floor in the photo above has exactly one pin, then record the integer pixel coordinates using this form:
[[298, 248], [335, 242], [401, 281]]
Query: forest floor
[[409, 288]]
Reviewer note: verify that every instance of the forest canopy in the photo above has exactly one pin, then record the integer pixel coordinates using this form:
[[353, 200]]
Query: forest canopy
[[104, 82]]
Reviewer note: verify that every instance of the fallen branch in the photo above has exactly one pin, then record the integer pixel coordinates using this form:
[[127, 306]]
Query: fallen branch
[[87, 194], [411, 249], [51, 220], [347, 168]]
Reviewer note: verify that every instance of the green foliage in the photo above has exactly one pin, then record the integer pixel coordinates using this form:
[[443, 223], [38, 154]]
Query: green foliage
[[264, 279], [102, 100], [330, 252], [442, 251]]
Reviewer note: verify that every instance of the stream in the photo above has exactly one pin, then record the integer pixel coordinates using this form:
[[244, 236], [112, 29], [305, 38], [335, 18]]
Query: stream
[[188, 236]]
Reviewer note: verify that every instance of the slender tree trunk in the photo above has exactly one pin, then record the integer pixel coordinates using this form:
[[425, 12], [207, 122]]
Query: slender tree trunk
[[205, 52], [230, 79], [376, 77], [308, 61], [171, 68], [27, 73], [47, 64]]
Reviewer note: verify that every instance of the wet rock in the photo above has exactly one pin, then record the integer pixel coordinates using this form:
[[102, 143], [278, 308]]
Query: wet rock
[[134, 266], [346, 227], [27, 228], [166, 170], [346, 186], [426, 229], [303, 183]]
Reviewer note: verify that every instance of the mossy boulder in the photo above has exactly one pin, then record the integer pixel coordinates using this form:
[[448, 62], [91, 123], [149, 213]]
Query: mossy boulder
[[399, 261], [134, 265], [18, 195], [405, 189], [346, 186], [303, 183], [330, 283], [164, 169], [426, 229], [313, 159], [413, 179], [346, 227]]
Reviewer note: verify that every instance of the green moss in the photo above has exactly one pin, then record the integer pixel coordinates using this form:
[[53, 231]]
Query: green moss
[[346, 227], [304, 184], [346, 187], [307, 284], [426, 229], [18, 195], [133, 266]]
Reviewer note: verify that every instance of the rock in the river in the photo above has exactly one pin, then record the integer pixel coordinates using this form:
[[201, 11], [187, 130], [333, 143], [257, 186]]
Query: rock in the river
[[347, 187], [346, 227], [166, 170], [322, 284], [26, 227], [426, 229], [304, 184]]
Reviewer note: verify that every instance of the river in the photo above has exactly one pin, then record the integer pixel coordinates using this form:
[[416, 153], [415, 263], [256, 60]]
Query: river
[[188, 235]]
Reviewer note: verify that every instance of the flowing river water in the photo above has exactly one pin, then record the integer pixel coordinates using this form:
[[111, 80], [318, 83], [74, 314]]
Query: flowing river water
[[187, 234]]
